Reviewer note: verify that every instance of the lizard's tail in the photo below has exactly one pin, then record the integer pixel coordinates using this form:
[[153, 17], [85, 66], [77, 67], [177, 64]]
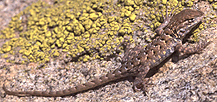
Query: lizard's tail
[[118, 73]]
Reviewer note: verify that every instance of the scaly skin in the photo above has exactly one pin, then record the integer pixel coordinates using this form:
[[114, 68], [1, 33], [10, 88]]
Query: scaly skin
[[138, 61]]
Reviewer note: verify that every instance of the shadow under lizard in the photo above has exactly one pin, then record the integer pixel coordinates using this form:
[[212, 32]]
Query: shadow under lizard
[[139, 60]]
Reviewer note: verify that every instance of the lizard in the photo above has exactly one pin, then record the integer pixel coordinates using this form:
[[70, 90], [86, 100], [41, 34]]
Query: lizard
[[139, 60]]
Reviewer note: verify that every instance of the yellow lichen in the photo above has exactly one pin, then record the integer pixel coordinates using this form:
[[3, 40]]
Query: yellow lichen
[[86, 30]]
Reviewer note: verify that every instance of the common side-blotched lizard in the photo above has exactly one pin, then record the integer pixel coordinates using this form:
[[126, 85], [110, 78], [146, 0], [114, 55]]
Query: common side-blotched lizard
[[139, 60]]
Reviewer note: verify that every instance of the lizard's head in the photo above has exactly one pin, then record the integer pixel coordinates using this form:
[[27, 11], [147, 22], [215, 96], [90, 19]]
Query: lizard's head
[[187, 20]]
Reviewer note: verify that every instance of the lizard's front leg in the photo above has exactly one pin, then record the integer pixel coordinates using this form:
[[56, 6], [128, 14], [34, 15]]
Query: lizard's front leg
[[189, 50], [160, 29]]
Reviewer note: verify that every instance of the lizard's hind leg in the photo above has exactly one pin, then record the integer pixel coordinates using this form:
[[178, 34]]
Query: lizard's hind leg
[[140, 80]]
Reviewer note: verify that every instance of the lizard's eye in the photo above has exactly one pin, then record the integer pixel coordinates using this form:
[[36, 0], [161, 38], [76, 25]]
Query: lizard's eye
[[191, 20]]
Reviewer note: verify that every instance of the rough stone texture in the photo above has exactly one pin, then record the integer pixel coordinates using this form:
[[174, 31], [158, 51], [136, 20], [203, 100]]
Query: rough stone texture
[[191, 79]]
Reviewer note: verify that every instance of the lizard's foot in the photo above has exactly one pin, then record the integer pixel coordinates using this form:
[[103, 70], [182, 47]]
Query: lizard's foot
[[140, 84], [140, 81]]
